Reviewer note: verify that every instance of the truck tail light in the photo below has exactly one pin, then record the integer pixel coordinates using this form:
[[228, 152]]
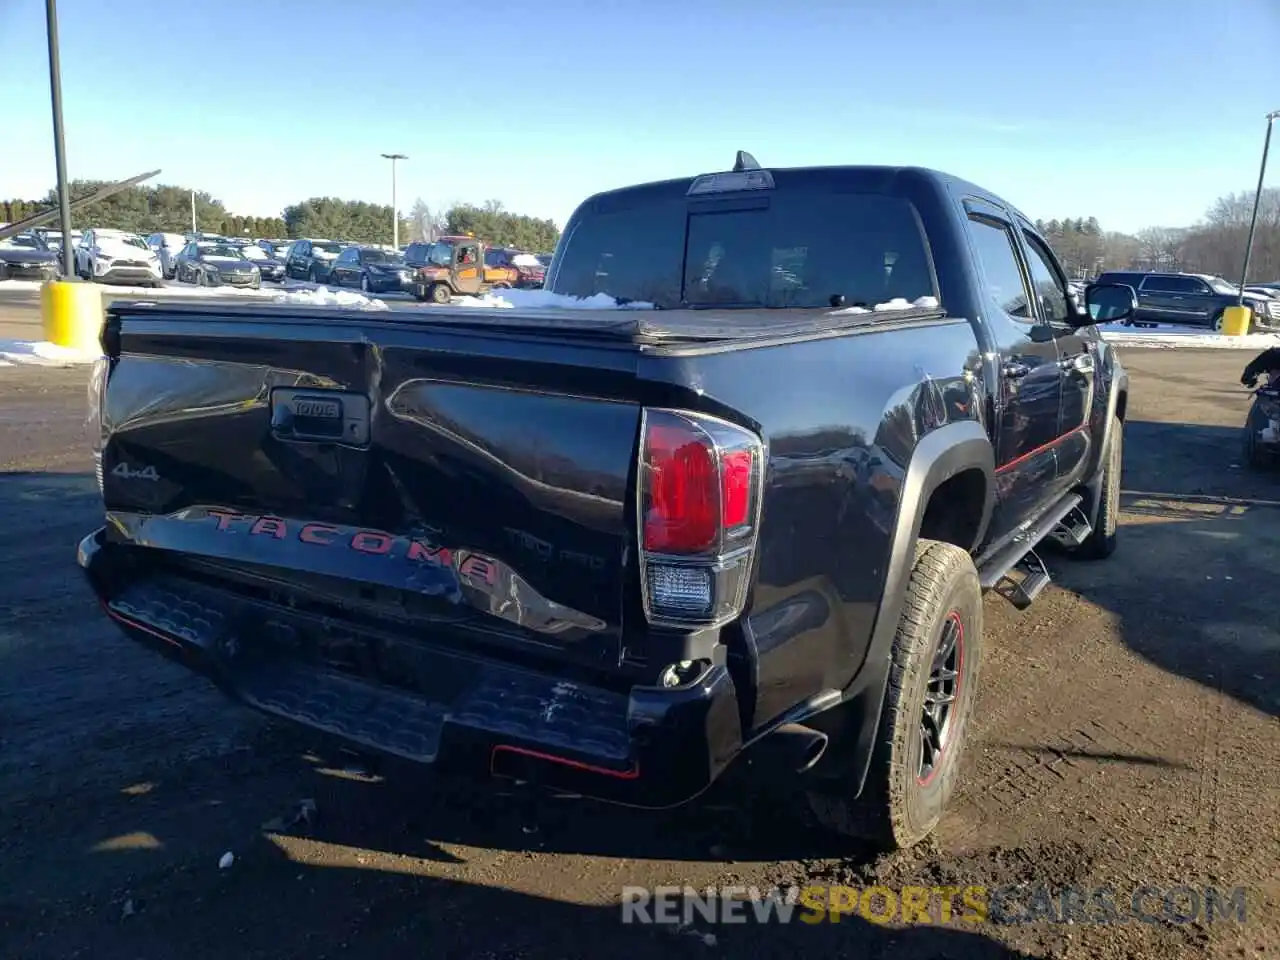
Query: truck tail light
[[94, 422], [700, 484]]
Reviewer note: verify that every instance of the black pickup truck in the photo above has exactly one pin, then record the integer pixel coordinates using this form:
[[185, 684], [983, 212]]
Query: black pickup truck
[[753, 508]]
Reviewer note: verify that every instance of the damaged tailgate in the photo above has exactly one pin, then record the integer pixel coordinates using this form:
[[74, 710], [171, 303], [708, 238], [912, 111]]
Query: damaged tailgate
[[411, 474]]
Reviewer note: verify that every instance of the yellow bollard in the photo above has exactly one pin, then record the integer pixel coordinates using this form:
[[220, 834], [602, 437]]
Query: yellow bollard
[[71, 314], [1235, 321]]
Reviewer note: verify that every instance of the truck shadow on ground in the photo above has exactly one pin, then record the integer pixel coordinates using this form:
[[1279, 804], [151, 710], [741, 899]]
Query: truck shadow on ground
[[1193, 459], [1199, 547], [270, 906], [399, 863]]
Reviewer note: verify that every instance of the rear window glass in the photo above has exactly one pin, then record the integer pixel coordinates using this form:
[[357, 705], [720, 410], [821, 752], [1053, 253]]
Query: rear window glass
[[797, 249]]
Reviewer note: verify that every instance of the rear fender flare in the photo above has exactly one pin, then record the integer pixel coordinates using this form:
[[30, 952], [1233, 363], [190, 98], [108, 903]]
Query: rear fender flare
[[940, 455]]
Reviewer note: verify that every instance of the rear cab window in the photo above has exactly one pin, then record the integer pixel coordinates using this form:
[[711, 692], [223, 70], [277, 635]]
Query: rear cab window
[[793, 246]]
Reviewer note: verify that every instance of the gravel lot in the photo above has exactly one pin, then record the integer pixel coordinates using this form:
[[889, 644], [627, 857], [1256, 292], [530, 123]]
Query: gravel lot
[[1127, 735]]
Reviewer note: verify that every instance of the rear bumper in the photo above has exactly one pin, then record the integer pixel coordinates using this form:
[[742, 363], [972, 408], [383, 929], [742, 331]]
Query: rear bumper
[[649, 747]]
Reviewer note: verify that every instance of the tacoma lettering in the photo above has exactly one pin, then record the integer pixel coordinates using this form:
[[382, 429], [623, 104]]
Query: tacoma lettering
[[372, 542]]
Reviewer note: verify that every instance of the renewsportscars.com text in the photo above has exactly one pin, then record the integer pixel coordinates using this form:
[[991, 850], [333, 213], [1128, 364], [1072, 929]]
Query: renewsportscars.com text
[[943, 904]]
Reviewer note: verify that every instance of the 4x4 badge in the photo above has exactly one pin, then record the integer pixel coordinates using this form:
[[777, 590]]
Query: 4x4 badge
[[129, 473]]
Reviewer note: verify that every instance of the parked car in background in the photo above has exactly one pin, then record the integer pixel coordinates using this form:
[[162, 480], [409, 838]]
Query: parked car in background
[[211, 264], [529, 270], [311, 258], [53, 238], [276, 249], [117, 256], [271, 268], [167, 246], [544, 258], [373, 270], [1190, 299], [27, 257]]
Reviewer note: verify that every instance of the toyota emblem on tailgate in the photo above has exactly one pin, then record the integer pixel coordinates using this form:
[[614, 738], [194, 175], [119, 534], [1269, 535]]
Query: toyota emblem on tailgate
[[317, 409]]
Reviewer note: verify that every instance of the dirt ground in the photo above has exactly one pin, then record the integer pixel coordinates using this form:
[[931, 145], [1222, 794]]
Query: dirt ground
[[1127, 736]]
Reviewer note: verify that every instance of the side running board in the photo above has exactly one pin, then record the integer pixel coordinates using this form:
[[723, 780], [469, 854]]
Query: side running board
[[1015, 570]]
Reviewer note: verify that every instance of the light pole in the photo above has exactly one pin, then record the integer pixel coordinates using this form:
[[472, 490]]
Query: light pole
[[59, 141], [1257, 199], [395, 215]]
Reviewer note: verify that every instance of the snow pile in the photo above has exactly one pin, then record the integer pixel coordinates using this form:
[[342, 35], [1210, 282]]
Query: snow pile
[[43, 354], [530, 299], [323, 296], [897, 303], [1171, 338]]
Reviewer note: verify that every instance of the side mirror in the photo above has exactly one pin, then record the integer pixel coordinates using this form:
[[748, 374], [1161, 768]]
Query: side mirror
[[1109, 302]]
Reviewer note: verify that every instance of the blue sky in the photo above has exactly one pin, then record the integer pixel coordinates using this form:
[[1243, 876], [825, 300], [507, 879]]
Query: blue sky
[[1138, 112]]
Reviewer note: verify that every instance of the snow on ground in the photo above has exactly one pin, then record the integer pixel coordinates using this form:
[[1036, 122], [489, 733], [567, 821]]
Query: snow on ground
[[530, 299], [43, 354], [323, 296], [1173, 337]]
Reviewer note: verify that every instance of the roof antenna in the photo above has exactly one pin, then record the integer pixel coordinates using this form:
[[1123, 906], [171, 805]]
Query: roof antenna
[[745, 161]]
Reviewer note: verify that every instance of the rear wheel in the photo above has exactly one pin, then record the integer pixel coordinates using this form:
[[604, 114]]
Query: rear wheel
[[933, 676]]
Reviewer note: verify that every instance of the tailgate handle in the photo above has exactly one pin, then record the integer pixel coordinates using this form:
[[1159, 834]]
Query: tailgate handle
[[320, 416]]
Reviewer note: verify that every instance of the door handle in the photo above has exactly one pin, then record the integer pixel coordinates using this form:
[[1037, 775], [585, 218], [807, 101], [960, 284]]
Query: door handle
[[1015, 370], [1080, 363]]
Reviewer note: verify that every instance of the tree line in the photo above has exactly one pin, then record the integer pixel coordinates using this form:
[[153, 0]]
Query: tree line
[[147, 209], [1215, 245]]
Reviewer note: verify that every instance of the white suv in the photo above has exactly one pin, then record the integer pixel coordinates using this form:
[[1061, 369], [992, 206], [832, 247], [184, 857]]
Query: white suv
[[167, 246], [117, 256]]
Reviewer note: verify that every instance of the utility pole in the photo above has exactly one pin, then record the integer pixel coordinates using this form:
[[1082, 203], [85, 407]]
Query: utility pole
[[1257, 199], [395, 214], [193, 212], [59, 140]]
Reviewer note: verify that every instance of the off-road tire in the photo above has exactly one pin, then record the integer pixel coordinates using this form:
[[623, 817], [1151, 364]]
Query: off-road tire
[[1106, 519], [439, 293], [896, 808]]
